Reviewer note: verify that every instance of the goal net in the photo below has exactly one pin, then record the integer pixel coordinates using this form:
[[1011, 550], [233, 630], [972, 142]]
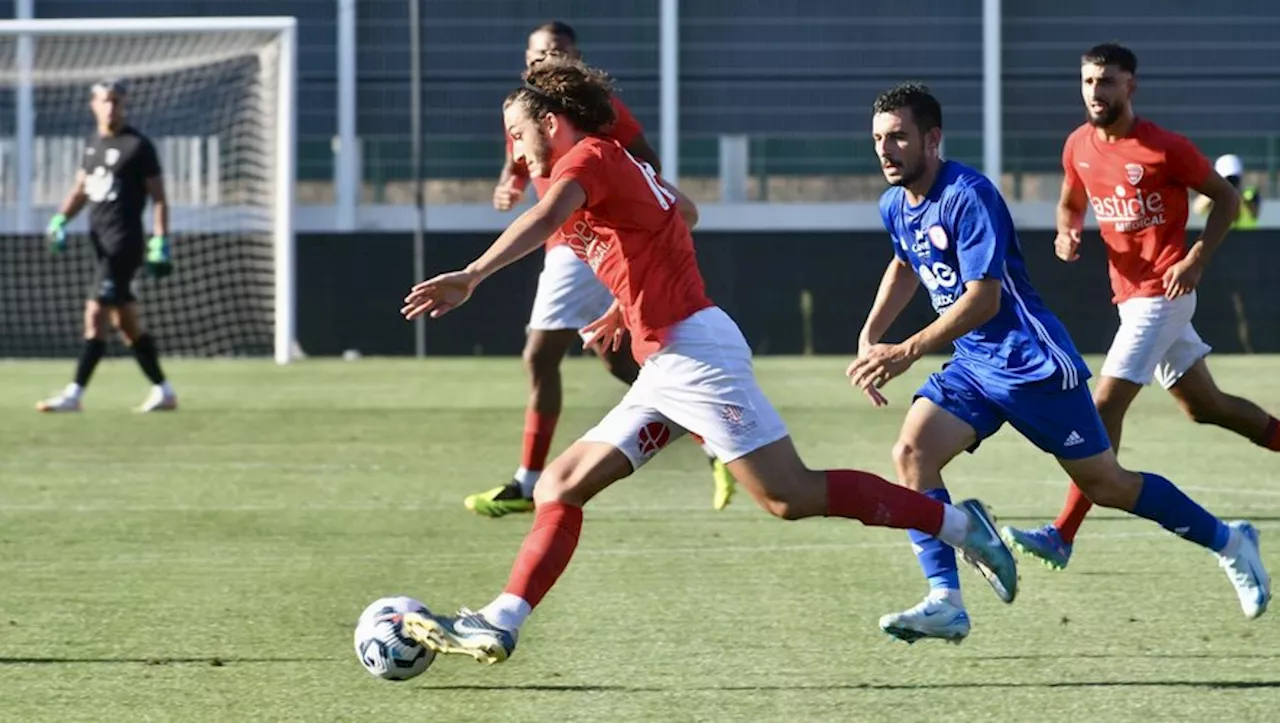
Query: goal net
[[216, 98]]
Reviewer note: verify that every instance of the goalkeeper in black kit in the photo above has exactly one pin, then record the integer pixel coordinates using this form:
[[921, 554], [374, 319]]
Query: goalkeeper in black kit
[[119, 171]]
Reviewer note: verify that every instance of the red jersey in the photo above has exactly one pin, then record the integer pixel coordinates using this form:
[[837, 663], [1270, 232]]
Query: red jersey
[[1137, 187], [624, 130], [632, 236]]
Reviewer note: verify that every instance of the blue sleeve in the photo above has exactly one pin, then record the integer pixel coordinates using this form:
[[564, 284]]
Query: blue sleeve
[[900, 252], [887, 219], [981, 228]]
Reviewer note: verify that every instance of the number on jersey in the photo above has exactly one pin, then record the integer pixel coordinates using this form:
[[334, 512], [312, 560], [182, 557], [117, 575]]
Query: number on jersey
[[660, 192]]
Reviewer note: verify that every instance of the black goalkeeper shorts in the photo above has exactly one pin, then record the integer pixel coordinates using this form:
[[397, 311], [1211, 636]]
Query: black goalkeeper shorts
[[113, 283]]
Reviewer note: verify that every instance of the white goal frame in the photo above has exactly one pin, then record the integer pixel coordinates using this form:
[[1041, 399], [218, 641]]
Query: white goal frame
[[286, 147]]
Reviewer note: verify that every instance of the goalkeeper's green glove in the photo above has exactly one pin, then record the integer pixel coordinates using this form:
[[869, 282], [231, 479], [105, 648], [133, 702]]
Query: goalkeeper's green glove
[[57, 233], [159, 260]]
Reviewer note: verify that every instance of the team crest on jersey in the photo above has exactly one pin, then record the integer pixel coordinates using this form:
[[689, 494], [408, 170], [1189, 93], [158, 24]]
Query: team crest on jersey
[[112, 155], [1133, 172], [938, 237]]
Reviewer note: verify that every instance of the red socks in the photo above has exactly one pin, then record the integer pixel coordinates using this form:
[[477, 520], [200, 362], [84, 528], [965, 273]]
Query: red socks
[[862, 496], [546, 551], [1073, 513], [877, 502], [1271, 438], [538, 431]]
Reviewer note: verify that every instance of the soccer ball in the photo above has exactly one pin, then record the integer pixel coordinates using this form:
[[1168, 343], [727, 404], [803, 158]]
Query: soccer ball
[[383, 648]]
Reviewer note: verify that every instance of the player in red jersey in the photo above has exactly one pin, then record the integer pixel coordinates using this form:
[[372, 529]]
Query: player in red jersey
[[696, 370], [568, 298], [1135, 175]]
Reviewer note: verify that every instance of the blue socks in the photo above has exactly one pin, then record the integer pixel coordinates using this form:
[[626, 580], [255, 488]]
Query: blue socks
[[1163, 503], [937, 558]]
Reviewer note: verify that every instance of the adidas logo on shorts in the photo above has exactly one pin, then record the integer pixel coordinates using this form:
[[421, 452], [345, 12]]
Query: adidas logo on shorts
[[1073, 439]]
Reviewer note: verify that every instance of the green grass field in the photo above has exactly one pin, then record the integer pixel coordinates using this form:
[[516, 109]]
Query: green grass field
[[209, 565]]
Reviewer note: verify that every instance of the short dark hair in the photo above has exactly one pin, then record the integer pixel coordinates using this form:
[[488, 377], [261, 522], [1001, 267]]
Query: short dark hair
[[925, 109], [558, 29], [571, 88], [1112, 53], [109, 85]]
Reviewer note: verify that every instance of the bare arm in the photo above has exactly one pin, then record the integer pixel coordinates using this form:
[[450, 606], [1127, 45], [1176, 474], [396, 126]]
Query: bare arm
[[1070, 221], [897, 286], [1071, 207], [878, 363], [975, 307], [440, 295], [75, 199], [687, 208], [1226, 207], [641, 149], [531, 229], [159, 205]]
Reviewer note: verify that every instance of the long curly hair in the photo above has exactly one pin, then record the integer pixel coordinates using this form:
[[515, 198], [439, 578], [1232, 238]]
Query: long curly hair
[[570, 88]]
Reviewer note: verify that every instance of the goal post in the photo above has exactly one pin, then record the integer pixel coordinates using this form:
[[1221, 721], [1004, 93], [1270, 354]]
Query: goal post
[[217, 97]]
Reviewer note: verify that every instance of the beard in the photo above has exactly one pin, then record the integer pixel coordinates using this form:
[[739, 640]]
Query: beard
[[540, 153], [907, 175], [1106, 118]]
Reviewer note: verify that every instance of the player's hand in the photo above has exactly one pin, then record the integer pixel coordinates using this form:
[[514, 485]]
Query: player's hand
[[864, 346], [57, 233], [506, 195], [1182, 278], [876, 366], [159, 259], [1067, 245], [607, 332], [440, 295], [873, 395]]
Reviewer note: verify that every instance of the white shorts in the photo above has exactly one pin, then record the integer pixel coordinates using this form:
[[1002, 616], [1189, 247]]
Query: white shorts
[[1155, 340], [569, 295], [703, 382]]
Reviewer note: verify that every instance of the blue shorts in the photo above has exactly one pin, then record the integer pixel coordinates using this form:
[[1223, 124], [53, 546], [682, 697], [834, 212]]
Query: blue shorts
[[1062, 422]]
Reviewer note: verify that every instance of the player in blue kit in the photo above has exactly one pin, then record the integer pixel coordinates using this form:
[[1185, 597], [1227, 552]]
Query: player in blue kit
[[1013, 362]]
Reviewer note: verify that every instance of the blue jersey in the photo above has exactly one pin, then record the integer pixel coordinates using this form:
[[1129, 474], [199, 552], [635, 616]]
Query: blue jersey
[[962, 232]]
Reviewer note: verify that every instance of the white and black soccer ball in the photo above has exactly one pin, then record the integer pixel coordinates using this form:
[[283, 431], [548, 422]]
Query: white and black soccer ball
[[381, 645]]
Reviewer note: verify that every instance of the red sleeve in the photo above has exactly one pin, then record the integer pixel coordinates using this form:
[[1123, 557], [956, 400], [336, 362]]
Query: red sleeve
[[1186, 162], [625, 126], [585, 165], [1069, 171]]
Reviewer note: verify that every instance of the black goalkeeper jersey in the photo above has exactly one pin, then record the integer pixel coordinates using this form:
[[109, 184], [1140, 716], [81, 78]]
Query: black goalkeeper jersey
[[116, 171]]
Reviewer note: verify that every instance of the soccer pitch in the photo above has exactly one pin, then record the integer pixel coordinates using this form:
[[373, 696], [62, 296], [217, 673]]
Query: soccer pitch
[[210, 564]]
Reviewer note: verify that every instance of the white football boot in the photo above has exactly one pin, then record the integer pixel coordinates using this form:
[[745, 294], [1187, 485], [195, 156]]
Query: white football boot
[[160, 400], [466, 633], [934, 617], [1246, 572], [67, 401]]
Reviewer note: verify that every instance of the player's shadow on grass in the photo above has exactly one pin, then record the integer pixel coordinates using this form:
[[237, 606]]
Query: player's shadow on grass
[[551, 688], [214, 661]]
